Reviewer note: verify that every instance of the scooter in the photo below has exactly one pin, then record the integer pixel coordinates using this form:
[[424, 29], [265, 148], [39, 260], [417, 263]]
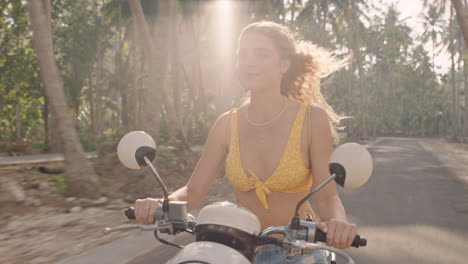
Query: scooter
[[228, 233]]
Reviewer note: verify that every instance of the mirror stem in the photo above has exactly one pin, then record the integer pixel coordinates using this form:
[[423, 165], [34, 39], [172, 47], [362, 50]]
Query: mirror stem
[[155, 173], [296, 214]]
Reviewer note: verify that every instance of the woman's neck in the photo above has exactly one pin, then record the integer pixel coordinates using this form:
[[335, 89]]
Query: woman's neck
[[265, 105]]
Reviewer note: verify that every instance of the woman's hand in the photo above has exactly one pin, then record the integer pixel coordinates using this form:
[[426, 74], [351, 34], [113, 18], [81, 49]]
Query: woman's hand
[[145, 209], [340, 234]]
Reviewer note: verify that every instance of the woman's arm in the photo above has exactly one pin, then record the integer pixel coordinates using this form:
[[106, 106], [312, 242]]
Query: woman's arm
[[212, 160], [208, 167], [340, 233]]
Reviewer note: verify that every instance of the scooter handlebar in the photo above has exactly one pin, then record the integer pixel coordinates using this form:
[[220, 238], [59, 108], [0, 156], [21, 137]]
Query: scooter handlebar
[[358, 241], [320, 236]]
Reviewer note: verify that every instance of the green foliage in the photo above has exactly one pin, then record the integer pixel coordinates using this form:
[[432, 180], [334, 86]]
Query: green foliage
[[79, 32], [60, 184], [19, 78], [392, 83]]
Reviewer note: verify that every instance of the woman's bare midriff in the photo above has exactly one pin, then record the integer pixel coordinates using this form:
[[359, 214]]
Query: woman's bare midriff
[[281, 207]]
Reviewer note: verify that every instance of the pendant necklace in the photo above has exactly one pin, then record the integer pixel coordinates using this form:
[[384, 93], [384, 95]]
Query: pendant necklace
[[269, 122]]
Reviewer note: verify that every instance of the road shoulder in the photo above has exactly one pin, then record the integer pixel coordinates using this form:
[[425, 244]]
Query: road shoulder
[[453, 156]]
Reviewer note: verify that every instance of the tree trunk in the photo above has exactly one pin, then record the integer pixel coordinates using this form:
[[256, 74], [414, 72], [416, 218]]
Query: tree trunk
[[176, 94], [52, 137], [18, 137], [282, 12], [293, 11], [121, 87], [54, 143], [152, 104], [45, 118], [322, 14], [135, 60], [363, 99], [91, 102], [98, 96], [461, 10], [465, 82], [462, 17], [141, 92], [124, 109], [454, 88], [80, 176], [350, 86], [195, 85], [167, 19]]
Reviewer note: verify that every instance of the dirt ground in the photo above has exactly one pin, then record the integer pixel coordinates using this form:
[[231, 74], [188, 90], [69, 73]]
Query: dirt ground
[[47, 226]]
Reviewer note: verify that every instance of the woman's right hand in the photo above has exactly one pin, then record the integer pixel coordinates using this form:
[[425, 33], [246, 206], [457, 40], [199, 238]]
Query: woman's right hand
[[145, 210]]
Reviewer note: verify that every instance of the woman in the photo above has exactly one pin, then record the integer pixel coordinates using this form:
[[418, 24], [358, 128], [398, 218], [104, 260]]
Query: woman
[[278, 145]]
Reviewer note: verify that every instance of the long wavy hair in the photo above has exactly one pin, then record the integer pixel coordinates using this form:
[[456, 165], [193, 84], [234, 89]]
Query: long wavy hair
[[309, 63]]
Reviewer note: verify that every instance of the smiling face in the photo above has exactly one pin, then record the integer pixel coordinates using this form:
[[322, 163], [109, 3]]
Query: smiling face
[[259, 63]]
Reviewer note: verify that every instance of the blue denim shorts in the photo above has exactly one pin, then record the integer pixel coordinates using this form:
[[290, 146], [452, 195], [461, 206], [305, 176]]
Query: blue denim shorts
[[271, 254]]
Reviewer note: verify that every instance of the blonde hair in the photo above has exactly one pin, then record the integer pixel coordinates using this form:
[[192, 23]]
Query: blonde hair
[[309, 63]]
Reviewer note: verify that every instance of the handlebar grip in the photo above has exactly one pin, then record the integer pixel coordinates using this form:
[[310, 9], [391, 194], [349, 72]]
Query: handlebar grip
[[130, 213], [357, 242]]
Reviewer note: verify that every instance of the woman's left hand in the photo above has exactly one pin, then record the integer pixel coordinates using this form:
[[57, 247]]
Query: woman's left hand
[[340, 234]]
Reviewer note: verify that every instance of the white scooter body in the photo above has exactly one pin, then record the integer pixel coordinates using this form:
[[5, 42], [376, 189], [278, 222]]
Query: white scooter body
[[229, 216], [208, 252]]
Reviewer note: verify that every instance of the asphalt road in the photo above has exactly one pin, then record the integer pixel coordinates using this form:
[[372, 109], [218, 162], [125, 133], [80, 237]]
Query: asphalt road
[[413, 210]]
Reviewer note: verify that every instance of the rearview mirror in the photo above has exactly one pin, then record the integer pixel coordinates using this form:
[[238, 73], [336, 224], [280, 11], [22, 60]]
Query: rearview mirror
[[352, 165], [133, 147]]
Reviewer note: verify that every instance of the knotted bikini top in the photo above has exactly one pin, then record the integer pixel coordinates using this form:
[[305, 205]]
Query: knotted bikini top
[[290, 176]]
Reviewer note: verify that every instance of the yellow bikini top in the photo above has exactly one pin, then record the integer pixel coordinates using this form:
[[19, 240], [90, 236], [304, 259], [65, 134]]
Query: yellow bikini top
[[290, 176]]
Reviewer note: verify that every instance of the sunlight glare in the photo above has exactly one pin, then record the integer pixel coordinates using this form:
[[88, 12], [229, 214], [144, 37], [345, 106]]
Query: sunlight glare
[[224, 27]]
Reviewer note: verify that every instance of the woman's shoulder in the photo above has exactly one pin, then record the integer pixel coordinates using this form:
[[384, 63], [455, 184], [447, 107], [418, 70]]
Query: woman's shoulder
[[223, 118], [317, 111], [219, 129]]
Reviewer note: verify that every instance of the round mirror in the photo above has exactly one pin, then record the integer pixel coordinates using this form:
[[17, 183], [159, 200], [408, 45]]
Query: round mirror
[[352, 164], [133, 147]]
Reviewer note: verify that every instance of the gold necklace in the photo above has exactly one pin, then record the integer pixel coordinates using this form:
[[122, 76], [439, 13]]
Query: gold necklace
[[269, 122]]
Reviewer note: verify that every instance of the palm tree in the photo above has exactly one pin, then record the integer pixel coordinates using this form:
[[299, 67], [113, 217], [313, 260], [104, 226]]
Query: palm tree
[[389, 41], [80, 176], [461, 8], [348, 19], [434, 23], [312, 22], [454, 86]]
